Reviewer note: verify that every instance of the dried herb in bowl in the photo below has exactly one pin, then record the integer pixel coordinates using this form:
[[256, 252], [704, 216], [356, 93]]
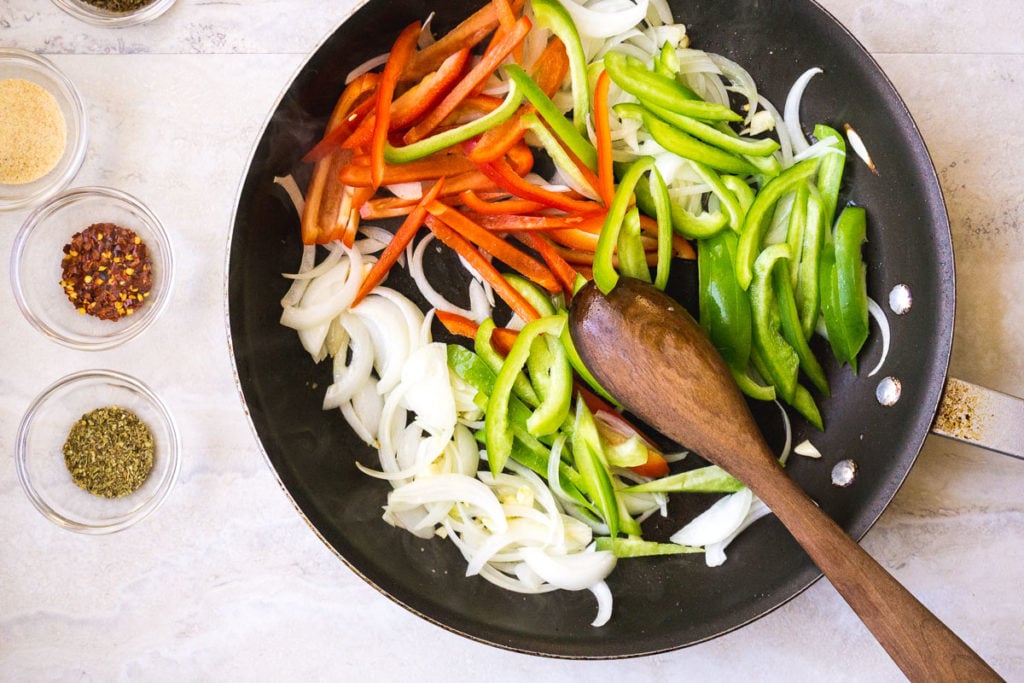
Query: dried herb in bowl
[[119, 5], [109, 452]]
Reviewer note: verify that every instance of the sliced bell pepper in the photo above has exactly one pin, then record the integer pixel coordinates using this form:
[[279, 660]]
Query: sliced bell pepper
[[758, 147], [497, 426], [633, 77], [359, 171], [478, 205], [830, 175], [578, 172], [685, 145], [793, 332], [552, 15], [483, 267], [593, 467], [481, 71], [844, 287], [760, 214], [401, 52], [807, 285], [723, 305], [603, 135], [502, 174], [780, 359], [435, 143], [339, 126]]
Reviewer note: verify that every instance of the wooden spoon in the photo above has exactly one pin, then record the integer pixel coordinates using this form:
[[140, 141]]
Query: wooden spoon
[[645, 349]]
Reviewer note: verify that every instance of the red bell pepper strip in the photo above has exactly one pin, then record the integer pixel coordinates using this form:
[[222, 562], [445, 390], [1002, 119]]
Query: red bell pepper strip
[[603, 134], [490, 61], [338, 137], [401, 52], [344, 108], [494, 245], [502, 174], [508, 222], [519, 305], [548, 72], [415, 102], [403, 236], [469, 33]]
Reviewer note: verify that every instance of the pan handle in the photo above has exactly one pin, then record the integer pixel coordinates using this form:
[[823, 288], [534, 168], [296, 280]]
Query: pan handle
[[981, 417]]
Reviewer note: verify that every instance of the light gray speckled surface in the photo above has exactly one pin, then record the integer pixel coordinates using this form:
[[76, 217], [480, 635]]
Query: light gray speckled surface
[[226, 579]]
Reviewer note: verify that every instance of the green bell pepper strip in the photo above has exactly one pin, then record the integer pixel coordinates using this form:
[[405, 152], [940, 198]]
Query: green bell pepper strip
[[551, 14], [724, 306], [743, 192], [781, 361], [830, 173], [709, 479], [795, 230], [634, 78], [482, 345], [760, 214], [453, 136], [794, 333], [604, 270], [582, 370], [689, 147], [630, 249], [667, 61], [637, 547], [563, 129], [851, 280], [590, 462], [757, 147], [805, 405], [753, 389], [663, 217], [497, 426], [537, 297], [555, 151], [729, 201], [806, 291], [556, 387]]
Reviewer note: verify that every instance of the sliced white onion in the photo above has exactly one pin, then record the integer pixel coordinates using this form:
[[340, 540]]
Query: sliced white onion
[[410, 190], [714, 554], [785, 143], [784, 456], [883, 326], [573, 572], [318, 306], [450, 488], [596, 24], [350, 377], [604, 603], [369, 65], [717, 522], [298, 288], [288, 184], [419, 276], [792, 109]]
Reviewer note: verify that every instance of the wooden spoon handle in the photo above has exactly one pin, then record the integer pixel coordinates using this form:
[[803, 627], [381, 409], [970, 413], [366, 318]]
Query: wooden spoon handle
[[921, 645]]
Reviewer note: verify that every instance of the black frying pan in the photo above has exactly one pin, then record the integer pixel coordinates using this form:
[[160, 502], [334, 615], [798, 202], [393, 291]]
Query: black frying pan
[[660, 603]]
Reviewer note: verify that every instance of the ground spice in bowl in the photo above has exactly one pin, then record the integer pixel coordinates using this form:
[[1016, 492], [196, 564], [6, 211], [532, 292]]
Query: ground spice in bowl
[[33, 132], [107, 271], [109, 452]]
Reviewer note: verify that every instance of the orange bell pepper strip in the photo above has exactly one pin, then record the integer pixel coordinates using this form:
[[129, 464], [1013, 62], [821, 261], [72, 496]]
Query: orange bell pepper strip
[[502, 338], [358, 171], [469, 33], [565, 273], [474, 202], [401, 52], [502, 174], [414, 103], [519, 305], [350, 104], [490, 61], [494, 245], [516, 222], [603, 135], [403, 236]]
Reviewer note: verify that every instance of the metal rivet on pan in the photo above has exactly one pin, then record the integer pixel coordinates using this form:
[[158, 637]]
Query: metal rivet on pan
[[900, 299], [844, 472], [888, 391]]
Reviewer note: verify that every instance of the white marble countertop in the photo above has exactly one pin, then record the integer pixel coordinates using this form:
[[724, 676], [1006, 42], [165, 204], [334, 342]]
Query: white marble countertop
[[226, 580]]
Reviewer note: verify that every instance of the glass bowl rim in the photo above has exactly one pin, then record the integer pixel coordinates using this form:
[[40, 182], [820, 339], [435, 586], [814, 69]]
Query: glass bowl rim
[[99, 17], [76, 156], [164, 487], [39, 215]]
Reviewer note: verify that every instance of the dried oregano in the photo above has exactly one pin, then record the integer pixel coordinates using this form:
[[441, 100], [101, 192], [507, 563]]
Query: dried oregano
[[109, 452]]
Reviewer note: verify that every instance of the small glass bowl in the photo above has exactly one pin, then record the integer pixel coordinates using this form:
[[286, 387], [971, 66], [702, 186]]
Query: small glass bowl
[[103, 17], [25, 65], [36, 266], [40, 459]]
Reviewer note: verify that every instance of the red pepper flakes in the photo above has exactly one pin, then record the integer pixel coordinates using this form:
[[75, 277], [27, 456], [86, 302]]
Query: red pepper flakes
[[106, 271]]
